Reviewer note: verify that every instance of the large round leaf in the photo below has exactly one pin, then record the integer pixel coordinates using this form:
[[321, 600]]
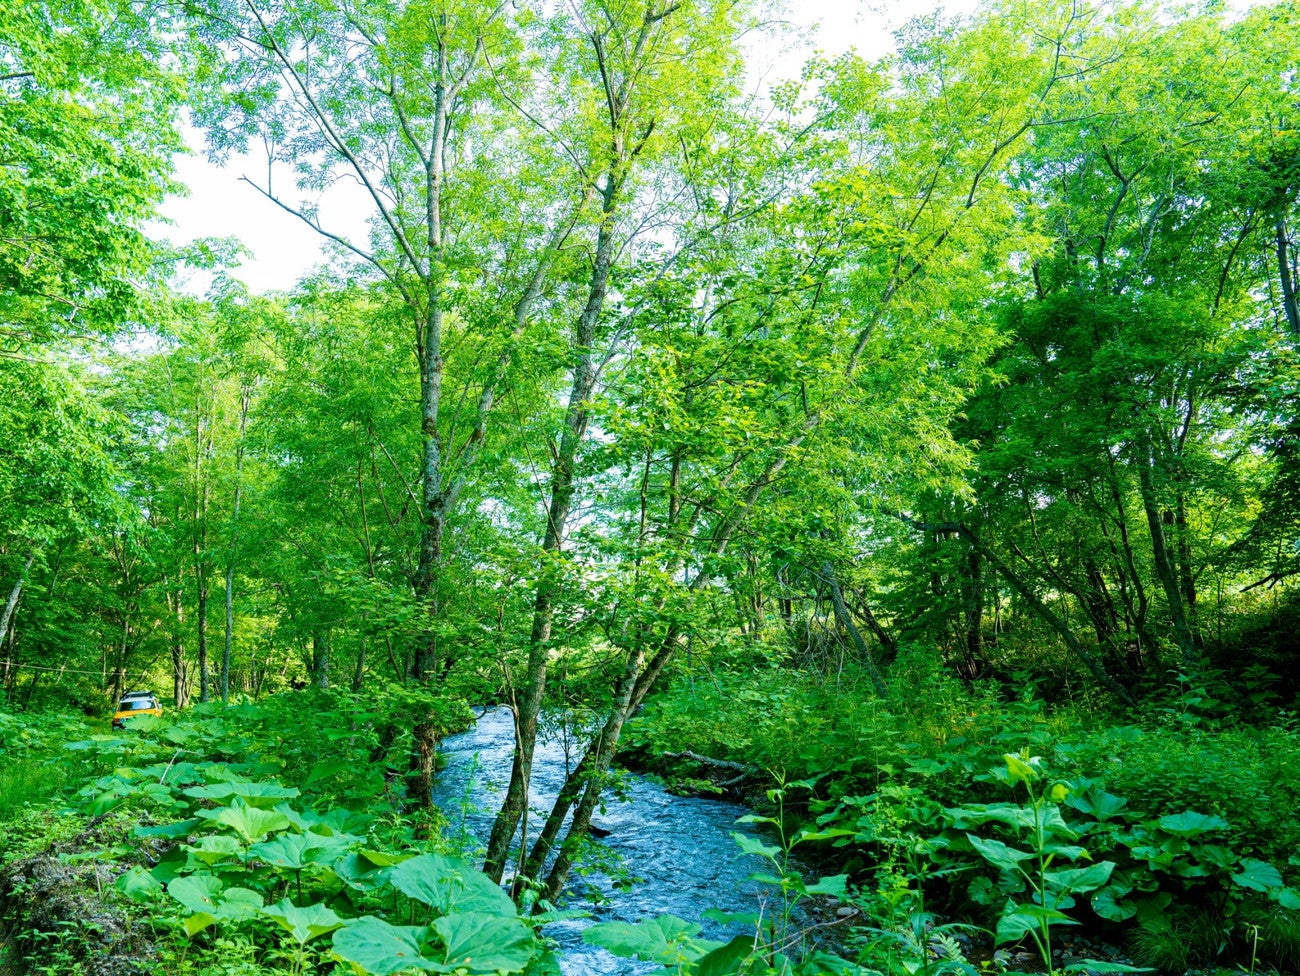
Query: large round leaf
[[660, 939], [297, 851], [304, 924], [446, 884], [482, 943], [257, 794], [251, 823], [381, 949]]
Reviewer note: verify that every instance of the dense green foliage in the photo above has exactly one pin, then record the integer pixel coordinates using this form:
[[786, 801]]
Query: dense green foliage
[[917, 437]]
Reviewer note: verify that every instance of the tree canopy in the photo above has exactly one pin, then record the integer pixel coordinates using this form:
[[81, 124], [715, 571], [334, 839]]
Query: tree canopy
[[979, 358]]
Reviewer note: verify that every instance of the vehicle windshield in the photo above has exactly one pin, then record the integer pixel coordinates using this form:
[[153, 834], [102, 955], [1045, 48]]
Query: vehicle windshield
[[135, 704]]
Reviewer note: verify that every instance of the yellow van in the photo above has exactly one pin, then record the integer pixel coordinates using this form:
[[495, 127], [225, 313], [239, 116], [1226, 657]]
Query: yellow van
[[135, 703]]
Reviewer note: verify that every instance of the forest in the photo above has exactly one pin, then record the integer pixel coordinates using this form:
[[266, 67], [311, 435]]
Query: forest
[[906, 451]]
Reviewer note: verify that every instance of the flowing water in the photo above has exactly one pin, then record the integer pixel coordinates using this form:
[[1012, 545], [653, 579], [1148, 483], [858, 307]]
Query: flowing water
[[679, 849]]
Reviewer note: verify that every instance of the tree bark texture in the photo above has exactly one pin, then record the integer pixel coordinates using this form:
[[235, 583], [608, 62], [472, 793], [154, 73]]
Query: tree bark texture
[[419, 780], [15, 592], [1286, 275], [320, 658]]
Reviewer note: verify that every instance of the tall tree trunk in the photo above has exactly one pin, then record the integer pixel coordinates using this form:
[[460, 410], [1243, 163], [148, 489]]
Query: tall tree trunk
[[202, 450], [15, 592], [1163, 565], [201, 620], [1186, 570], [419, 778], [228, 646], [359, 672], [320, 658], [1134, 588], [528, 704], [433, 521], [972, 587], [586, 780], [1100, 608], [1286, 274], [180, 671]]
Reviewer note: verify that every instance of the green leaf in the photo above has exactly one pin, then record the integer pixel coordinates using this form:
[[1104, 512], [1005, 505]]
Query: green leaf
[[726, 960], [1190, 824], [1071, 852], [1026, 917], [197, 892], [1080, 880], [1096, 966], [297, 851], [380, 949], [1022, 817], [1098, 803], [830, 833], [304, 924], [210, 901], [482, 943], [446, 884], [1107, 904], [1021, 770], [359, 872], [138, 885], [197, 922], [998, 853], [251, 823], [1288, 898], [751, 845], [171, 831], [260, 794], [657, 939], [835, 885], [1258, 875], [239, 903], [213, 848], [327, 769]]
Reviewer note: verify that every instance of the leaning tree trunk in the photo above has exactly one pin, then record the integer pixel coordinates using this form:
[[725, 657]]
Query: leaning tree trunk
[[1039, 607], [584, 784], [1165, 571], [845, 620], [15, 592], [528, 705]]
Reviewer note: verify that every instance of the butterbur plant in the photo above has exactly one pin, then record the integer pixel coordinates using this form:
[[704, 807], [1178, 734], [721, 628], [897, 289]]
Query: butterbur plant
[[1041, 868]]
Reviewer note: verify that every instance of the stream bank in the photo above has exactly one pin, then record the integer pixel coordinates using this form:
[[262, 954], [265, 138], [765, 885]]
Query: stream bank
[[662, 855]]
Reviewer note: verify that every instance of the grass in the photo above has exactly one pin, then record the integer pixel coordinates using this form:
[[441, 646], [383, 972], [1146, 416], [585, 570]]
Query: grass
[[24, 782]]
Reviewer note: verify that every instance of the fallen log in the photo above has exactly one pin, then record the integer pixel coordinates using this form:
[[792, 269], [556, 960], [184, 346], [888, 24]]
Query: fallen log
[[710, 761]]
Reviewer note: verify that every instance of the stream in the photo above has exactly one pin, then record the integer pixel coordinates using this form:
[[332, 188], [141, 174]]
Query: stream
[[679, 849]]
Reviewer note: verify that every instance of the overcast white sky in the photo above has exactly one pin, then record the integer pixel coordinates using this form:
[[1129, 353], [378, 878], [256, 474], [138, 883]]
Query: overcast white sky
[[284, 249]]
